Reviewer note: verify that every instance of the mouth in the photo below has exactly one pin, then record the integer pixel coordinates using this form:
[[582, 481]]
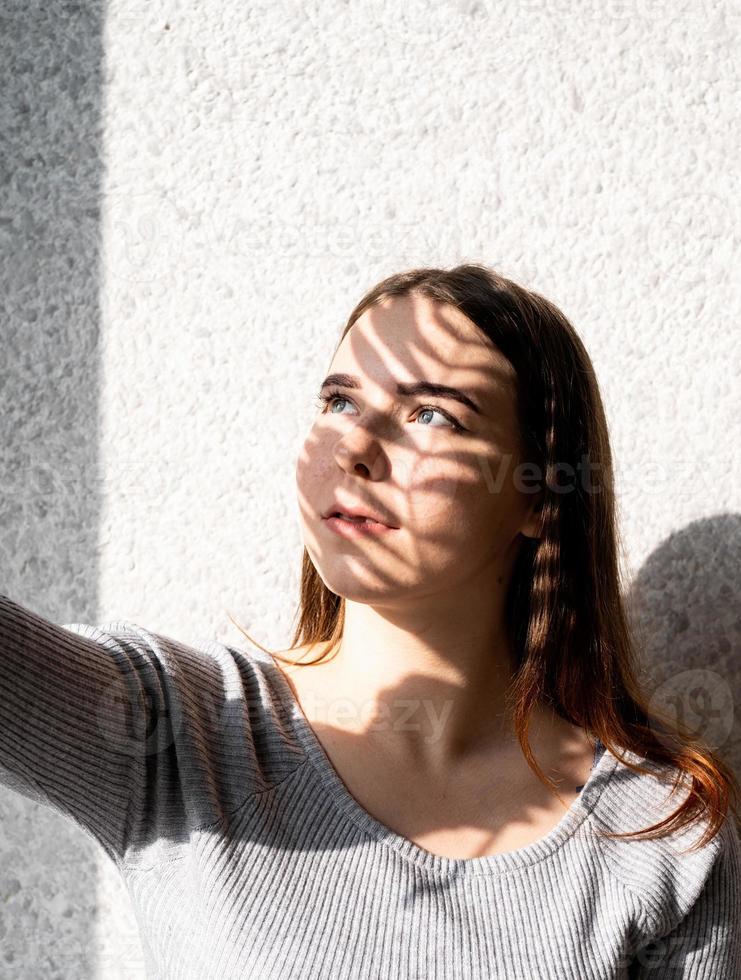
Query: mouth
[[354, 524], [357, 517]]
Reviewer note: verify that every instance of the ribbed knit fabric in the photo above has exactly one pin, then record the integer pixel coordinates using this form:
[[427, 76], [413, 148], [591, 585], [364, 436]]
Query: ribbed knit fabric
[[245, 855]]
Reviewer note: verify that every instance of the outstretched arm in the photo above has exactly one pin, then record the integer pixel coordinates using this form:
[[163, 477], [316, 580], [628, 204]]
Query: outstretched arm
[[76, 708]]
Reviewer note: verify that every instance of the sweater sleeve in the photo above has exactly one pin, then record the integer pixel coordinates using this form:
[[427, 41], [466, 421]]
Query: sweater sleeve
[[706, 943], [77, 705]]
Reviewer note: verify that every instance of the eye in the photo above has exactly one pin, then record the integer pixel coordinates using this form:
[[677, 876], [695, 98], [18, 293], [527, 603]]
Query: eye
[[441, 413], [330, 398]]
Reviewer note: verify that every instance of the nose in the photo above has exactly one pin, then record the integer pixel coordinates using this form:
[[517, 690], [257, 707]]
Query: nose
[[359, 452]]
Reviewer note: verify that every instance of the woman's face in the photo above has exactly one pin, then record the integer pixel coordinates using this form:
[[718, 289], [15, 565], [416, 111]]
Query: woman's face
[[456, 498]]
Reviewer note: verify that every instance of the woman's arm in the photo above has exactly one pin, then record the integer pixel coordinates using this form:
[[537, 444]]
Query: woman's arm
[[706, 943], [76, 705]]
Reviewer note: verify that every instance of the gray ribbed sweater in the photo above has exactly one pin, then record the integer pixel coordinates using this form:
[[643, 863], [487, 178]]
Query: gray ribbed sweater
[[246, 856]]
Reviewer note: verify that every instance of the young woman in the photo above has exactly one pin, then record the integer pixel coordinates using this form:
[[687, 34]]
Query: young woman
[[453, 772]]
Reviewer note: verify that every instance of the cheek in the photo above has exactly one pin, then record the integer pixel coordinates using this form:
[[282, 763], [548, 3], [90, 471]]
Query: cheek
[[311, 472], [448, 486]]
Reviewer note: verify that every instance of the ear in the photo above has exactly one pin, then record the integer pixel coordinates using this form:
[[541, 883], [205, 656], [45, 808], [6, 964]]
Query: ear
[[531, 527]]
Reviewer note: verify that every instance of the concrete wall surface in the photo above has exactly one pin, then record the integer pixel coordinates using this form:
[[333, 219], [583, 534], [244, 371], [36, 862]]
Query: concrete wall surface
[[193, 196]]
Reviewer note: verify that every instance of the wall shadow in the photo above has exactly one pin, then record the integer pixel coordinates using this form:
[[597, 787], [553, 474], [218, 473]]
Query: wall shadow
[[51, 169], [684, 607]]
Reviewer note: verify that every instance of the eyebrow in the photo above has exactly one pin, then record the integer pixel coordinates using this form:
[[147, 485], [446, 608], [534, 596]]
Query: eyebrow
[[408, 390]]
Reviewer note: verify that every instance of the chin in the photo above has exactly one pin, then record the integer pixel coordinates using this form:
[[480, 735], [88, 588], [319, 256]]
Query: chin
[[347, 580]]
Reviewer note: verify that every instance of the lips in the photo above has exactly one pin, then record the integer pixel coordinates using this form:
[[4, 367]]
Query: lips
[[358, 515], [356, 520]]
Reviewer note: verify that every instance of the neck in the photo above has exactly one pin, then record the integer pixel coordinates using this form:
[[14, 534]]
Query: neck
[[428, 687]]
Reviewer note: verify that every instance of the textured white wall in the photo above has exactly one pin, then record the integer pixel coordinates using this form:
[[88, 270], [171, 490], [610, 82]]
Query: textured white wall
[[195, 195]]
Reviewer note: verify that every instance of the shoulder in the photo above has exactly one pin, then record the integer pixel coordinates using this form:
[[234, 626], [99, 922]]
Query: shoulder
[[206, 680], [663, 874], [219, 707]]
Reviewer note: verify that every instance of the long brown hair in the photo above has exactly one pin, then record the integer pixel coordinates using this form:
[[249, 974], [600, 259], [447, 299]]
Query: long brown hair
[[567, 617]]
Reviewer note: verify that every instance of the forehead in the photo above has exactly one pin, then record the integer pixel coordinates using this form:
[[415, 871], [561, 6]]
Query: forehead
[[407, 338]]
